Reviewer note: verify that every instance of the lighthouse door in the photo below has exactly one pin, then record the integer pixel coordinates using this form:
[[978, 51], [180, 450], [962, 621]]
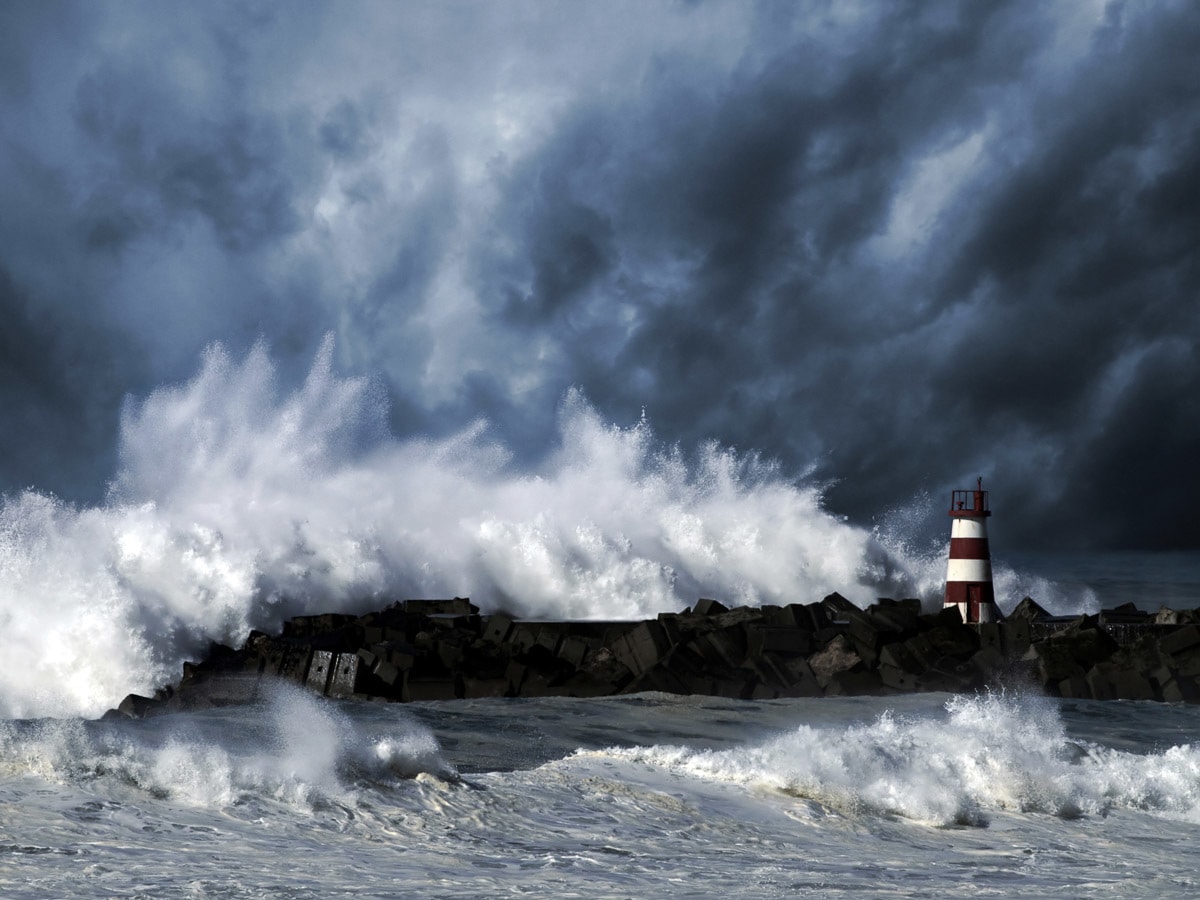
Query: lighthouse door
[[974, 598]]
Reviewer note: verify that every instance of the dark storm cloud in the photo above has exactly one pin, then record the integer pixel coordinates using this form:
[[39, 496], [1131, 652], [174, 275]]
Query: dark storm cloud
[[989, 349], [911, 243], [56, 387]]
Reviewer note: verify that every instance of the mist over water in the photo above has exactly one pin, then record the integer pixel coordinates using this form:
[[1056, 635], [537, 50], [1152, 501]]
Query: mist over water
[[236, 506]]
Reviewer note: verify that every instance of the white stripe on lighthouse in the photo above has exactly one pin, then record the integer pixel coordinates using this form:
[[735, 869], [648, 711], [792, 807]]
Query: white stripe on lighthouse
[[970, 570], [968, 528]]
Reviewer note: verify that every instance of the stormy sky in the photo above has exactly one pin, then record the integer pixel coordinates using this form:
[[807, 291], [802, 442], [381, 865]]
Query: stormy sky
[[893, 246]]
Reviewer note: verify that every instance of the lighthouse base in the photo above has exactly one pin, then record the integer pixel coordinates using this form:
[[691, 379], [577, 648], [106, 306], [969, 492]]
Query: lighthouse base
[[976, 613], [975, 600]]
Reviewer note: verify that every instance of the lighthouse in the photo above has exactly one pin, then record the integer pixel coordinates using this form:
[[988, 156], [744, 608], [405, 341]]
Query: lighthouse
[[969, 573]]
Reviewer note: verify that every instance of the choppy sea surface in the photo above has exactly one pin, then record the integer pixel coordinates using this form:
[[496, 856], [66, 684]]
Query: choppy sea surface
[[637, 796], [237, 506]]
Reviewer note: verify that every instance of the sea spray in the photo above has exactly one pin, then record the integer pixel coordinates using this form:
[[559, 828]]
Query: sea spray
[[291, 748], [237, 506], [987, 753]]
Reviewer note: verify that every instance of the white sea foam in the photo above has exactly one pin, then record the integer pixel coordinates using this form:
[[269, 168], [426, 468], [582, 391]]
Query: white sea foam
[[236, 506], [301, 750], [989, 753]]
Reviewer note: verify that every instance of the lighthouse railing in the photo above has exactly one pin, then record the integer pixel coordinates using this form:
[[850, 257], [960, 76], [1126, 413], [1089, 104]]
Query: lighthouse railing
[[969, 502]]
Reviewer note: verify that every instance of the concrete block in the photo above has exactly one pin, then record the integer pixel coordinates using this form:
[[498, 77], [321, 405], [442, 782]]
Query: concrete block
[[1075, 688], [989, 635], [497, 628], [1186, 664], [1015, 637], [294, 663], [136, 706], [320, 669], [523, 636], [901, 617], [721, 648], [515, 675], [817, 614], [343, 680], [377, 634], [389, 674], [854, 684], [707, 607], [400, 655], [1183, 641], [739, 617], [456, 606], [733, 686], [790, 641], [671, 628], [900, 656], [424, 689], [864, 631], [839, 656], [1054, 662], [988, 662], [957, 641], [1166, 616], [897, 679], [1029, 610], [641, 648], [485, 687], [550, 635], [1170, 692], [1108, 682], [791, 616], [838, 607], [760, 691], [573, 650]]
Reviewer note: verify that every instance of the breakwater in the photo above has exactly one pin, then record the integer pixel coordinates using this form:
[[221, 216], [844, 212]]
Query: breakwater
[[417, 650]]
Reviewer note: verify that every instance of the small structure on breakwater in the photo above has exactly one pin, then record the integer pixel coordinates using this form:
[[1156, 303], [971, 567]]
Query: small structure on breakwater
[[969, 570]]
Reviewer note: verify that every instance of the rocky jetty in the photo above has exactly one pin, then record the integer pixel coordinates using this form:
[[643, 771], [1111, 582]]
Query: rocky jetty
[[444, 649]]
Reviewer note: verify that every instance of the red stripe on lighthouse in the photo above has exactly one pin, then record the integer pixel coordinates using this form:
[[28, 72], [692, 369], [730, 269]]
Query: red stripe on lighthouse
[[969, 548]]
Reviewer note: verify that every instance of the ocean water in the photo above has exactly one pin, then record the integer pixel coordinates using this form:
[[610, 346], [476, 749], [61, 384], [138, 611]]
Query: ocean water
[[237, 505], [640, 796]]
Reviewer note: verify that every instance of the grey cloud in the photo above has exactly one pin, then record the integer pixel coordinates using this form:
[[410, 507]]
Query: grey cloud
[[696, 209]]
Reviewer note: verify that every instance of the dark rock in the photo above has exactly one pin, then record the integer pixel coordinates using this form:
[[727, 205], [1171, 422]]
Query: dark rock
[[457, 606], [834, 659], [418, 689], [707, 607], [136, 706], [854, 683], [641, 649], [838, 607], [762, 639], [1182, 642], [438, 650], [497, 628], [1029, 610], [1015, 636], [1054, 662], [1076, 687]]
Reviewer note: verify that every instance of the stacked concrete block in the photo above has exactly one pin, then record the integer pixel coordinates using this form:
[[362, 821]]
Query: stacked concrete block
[[440, 650]]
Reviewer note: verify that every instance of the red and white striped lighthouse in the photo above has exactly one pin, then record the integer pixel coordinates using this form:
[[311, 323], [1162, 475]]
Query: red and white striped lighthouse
[[969, 574]]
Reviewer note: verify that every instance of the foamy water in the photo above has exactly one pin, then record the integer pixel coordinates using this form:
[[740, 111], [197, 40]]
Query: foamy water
[[632, 796], [989, 754], [237, 505]]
